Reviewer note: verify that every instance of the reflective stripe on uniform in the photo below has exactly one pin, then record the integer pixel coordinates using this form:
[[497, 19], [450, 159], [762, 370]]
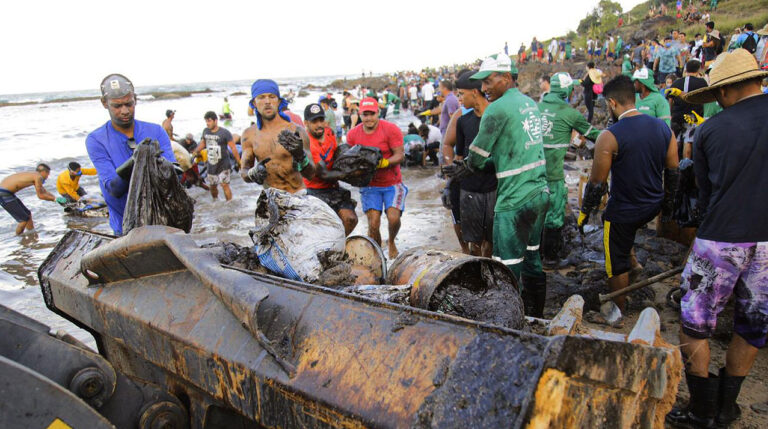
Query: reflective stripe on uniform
[[556, 146], [607, 247], [589, 130], [508, 261], [536, 247], [516, 171], [481, 152]]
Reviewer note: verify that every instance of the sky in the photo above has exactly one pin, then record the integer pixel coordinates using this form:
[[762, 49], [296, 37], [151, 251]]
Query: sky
[[58, 46]]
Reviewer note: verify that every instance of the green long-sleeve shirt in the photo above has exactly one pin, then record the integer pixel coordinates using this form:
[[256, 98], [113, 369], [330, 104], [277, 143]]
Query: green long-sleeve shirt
[[558, 120], [654, 105], [510, 138]]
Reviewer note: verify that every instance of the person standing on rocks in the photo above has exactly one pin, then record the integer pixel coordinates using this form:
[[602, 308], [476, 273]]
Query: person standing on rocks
[[729, 257], [510, 138], [640, 153], [558, 121], [688, 83], [594, 77], [110, 147], [280, 146], [322, 144], [216, 140], [386, 192], [648, 100]]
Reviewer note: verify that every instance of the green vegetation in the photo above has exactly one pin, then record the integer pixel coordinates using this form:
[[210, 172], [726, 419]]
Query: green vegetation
[[729, 15]]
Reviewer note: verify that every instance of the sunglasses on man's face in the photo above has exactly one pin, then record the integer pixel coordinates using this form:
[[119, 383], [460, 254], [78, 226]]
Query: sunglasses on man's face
[[76, 173]]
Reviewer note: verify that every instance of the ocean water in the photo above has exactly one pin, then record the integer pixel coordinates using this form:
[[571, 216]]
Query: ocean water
[[55, 134]]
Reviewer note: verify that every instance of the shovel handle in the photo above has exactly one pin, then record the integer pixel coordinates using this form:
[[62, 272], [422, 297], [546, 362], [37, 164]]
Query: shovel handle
[[641, 284]]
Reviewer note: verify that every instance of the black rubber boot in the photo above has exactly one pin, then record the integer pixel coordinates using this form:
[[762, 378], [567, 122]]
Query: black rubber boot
[[702, 407], [534, 295], [728, 410]]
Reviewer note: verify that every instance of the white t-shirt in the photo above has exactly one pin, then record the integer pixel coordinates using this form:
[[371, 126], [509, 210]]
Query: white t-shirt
[[553, 47], [434, 134], [413, 92], [428, 91]]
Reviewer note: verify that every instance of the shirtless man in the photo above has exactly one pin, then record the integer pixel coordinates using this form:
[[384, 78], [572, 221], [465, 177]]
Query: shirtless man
[[167, 125], [16, 182], [281, 147]]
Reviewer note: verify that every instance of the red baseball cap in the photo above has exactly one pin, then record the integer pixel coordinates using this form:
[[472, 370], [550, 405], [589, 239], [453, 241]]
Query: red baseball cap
[[369, 104]]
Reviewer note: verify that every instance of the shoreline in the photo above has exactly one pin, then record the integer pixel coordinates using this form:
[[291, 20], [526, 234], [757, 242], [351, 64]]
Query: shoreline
[[157, 95]]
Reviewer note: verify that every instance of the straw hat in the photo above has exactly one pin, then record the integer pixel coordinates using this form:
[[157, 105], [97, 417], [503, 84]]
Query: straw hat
[[763, 31], [727, 69]]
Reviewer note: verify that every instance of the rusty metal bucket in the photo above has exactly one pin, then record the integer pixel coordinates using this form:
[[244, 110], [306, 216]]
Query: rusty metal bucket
[[368, 261], [428, 269]]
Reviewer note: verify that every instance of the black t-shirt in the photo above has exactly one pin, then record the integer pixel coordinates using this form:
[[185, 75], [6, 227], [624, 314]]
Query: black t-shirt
[[679, 107], [218, 153], [637, 170], [730, 159], [467, 127]]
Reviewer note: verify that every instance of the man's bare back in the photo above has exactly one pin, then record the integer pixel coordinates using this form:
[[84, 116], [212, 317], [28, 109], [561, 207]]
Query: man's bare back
[[19, 181], [260, 144]]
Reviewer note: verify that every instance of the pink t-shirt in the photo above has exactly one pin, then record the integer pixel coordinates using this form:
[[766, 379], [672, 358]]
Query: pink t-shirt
[[385, 137]]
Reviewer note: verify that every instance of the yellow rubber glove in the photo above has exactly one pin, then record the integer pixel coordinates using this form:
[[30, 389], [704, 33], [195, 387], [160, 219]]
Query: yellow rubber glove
[[384, 163], [694, 119], [583, 219], [673, 92], [425, 113]]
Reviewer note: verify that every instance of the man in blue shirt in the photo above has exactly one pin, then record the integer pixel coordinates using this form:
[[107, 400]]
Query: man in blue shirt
[[110, 147]]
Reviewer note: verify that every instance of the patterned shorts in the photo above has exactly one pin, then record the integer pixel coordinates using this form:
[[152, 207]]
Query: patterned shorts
[[215, 179], [715, 271]]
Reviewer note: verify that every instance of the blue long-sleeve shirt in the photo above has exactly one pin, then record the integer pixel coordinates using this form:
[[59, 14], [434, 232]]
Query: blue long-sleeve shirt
[[108, 149]]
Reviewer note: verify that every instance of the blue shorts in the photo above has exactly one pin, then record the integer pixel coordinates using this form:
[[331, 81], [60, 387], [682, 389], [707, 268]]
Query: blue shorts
[[377, 197], [14, 206]]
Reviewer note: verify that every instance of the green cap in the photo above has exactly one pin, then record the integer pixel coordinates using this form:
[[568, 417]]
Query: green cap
[[646, 78], [561, 83], [497, 63]]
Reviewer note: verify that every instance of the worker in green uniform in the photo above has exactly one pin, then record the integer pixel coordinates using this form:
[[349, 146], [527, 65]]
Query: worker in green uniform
[[648, 100], [626, 66], [558, 120], [510, 139]]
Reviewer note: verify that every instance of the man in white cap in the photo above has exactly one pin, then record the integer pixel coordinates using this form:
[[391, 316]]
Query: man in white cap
[[730, 254], [111, 146], [510, 137]]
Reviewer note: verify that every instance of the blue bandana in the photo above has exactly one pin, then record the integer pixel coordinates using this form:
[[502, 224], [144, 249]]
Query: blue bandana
[[267, 86]]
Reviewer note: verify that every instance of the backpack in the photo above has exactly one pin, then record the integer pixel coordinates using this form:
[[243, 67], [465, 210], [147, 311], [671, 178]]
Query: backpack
[[750, 44]]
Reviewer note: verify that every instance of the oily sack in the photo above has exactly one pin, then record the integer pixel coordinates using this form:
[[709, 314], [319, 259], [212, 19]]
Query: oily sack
[[296, 235], [155, 196], [357, 164], [686, 200]]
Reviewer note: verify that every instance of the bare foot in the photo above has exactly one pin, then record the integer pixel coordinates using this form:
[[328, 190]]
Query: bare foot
[[392, 250]]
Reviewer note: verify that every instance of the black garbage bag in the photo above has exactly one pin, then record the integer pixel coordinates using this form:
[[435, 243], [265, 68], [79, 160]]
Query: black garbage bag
[[155, 196], [686, 212], [356, 165]]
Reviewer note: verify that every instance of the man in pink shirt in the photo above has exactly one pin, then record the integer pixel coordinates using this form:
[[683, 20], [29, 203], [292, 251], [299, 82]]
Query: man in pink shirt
[[386, 192]]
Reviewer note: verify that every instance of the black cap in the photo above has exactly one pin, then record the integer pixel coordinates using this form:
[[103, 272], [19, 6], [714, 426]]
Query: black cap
[[169, 112], [464, 81], [313, 111]]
